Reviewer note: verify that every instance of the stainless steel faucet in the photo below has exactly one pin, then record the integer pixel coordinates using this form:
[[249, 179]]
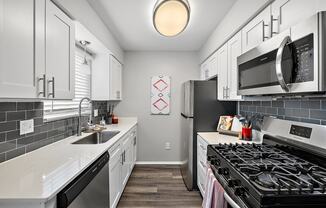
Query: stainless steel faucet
[[79, 114]]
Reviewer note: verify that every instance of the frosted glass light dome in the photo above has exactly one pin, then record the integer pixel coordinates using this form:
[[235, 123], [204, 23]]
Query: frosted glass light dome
[[171, 17]]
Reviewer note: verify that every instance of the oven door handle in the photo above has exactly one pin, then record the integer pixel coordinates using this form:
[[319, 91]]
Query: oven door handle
[[230, 201], [279, 72]]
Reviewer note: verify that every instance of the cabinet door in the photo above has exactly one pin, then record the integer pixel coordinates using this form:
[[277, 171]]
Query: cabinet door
[[125, 170], [222, 77], [257, 30], [19, 27], [285, 13], [212, 65], [203, 71], [234, 50], [100, 77], [60, 58], [134, 150], [115, 174], [115, 79]]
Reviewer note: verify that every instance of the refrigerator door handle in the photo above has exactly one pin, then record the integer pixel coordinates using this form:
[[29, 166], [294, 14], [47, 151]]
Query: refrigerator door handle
[[183, 115]]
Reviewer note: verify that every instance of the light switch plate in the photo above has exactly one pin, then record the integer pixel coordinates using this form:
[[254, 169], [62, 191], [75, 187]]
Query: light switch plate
[[95, 112], [26, 126]]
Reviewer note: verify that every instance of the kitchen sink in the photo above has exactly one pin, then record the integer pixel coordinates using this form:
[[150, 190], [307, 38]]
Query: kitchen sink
[[97, 138]]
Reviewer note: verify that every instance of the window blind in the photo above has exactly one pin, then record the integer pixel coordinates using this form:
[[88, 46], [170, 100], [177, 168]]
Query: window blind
[[57, 109]]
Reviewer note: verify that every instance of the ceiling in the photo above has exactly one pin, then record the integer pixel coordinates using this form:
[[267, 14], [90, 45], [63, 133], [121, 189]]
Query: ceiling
[[130, 21]]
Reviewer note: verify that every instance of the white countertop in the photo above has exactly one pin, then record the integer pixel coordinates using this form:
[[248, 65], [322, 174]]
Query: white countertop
[[217, 138], [41, 174]]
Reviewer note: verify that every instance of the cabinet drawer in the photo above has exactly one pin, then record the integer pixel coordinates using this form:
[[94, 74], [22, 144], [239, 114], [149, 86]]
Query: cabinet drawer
[[114, 151], [201, 144]]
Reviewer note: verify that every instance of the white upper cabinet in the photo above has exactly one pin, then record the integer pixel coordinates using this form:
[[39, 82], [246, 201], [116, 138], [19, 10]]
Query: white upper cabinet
[[222, 75], [106, 78], [36, 50], [60, 57], [212, 65], [204, 72], [209, 68], [286, 13], [19, 71], [234, 50], [115, 79], [257, 30]]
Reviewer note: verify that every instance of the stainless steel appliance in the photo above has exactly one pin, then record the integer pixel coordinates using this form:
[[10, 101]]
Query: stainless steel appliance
[[200, 112], [89, 189], [291, 62], [287, 170]]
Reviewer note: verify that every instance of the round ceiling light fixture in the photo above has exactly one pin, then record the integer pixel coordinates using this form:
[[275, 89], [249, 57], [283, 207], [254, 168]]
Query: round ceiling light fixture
[[171, 17]]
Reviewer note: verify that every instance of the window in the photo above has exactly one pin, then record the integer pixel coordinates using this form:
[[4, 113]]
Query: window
[[58, 109]]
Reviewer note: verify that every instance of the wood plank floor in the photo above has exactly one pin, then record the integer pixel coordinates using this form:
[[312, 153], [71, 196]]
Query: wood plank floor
[[158, 186]]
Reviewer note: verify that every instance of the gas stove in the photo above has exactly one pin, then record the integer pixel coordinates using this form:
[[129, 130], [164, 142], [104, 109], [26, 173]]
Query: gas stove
[[281, 172]]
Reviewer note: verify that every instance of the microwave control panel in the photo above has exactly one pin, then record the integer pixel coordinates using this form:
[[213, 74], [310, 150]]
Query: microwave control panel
[[304, 59]]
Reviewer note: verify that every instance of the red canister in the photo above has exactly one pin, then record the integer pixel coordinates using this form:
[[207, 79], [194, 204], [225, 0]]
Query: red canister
[[246, 133]]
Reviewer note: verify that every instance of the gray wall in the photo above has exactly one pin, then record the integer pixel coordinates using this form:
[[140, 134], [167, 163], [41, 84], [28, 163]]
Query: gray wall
[[155, 130], [240, 13]]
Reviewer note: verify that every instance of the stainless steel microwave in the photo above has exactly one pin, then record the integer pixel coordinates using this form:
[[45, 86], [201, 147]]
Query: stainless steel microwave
[[291, 62]]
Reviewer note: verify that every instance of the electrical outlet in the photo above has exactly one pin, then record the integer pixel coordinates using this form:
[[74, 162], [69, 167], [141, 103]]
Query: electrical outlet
[[167, 146], [26, 126], [95, 112]]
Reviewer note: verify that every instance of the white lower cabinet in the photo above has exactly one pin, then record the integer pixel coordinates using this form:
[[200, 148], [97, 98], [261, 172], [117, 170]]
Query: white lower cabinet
[[201, 164], [122, 161], [115, 173]]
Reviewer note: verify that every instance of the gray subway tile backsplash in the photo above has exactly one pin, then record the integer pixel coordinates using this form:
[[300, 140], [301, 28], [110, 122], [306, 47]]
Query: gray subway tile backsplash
[[12, 144], [309, 110]]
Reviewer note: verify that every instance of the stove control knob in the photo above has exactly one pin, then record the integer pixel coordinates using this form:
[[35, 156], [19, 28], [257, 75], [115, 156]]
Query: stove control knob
[[239, 191], [234, 182], [215, 162], [223, 171]]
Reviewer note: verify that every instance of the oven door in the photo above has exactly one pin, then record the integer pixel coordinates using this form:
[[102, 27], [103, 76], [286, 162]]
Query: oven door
[[281, 65]]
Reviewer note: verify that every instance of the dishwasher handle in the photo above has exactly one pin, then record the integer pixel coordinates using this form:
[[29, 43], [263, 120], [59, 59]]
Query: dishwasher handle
[[73, 189]]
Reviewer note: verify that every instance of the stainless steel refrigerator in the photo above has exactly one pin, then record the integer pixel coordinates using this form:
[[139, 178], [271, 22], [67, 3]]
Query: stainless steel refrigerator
[[200, 113]]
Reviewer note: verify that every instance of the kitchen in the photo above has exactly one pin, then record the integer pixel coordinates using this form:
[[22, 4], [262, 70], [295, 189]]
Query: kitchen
[[162, 103]]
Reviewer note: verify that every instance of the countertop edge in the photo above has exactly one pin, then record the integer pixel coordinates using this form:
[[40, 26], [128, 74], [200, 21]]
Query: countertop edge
[[47, 198]]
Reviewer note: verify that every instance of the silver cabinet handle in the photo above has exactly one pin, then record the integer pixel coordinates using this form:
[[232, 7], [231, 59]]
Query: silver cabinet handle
[[227, 92], [121, 158], [279, 72], [264, 37], [53, 86], [135, 141], [272, 25], [223, 92], [43, 78]]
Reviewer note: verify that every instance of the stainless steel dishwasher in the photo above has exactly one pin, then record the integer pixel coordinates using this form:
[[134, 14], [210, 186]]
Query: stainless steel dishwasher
[[90, 189]]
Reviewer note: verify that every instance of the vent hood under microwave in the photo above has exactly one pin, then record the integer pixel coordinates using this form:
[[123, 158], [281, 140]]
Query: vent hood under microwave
[[291, 62]]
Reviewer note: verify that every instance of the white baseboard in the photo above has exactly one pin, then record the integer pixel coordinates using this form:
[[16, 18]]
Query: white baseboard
[[158, 162]]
